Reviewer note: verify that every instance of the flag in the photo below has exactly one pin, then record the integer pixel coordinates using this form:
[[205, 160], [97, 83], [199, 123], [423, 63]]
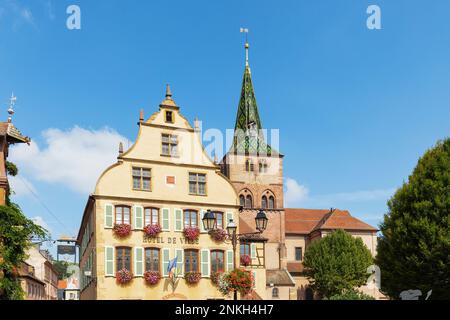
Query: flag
[[172, 266]]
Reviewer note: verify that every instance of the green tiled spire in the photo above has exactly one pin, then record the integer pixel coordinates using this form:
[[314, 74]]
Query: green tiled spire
[[248, 137]]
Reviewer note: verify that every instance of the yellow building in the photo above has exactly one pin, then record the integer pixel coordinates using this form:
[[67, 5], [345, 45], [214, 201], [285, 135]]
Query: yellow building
[[164, 179]]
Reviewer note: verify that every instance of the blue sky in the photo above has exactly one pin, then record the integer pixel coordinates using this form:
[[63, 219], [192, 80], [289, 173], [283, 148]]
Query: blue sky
[[356, 108]]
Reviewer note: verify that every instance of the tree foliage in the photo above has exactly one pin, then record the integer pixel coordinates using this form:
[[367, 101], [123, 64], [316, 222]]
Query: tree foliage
[[352, 295], [414, 251], [16, 230], [61, 268], [337, 263]]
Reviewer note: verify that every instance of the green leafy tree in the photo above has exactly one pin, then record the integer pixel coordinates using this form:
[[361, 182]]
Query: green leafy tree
[[61, 268], [414, 251], [351, 295], [337, 263], [16, 231]]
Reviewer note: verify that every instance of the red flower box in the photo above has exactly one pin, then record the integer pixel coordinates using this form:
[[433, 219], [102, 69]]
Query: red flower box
[[122, 230], [192, 277], [246, 260], [191, 233], [219, 235], [152, 230], [152, 277], [124, 276]]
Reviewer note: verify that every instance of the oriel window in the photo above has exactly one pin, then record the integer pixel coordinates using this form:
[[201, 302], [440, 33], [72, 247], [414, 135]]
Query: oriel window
[[123, 258], [169, 145], [142, 178], [197, 183], [122, 215]]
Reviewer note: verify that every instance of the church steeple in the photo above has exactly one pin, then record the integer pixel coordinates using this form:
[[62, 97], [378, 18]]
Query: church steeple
[[248, 135]]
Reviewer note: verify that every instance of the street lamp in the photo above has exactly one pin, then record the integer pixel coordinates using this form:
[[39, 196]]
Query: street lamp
[[209, 221], [231, 227], [209, 224], [261, 221]]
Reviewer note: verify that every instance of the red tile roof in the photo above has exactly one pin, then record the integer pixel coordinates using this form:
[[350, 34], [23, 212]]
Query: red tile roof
[[304, 221], [295, 266], [62, 284]]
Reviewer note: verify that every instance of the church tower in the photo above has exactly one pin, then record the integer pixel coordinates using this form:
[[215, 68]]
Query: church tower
[[256, 171]]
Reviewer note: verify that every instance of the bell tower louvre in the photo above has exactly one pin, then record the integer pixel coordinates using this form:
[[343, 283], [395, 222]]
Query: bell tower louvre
[[256, 171]]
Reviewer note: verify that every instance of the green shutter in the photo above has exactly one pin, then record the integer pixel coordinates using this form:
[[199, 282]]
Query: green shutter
[[178, 220], [229, 216], [165, 261], [138, 261], [165, 219], [138, 217], [254, 279], [253, 250], [109, 261], [205, 268], [202, 229], [108, 215], [179, 253], [230, 260]]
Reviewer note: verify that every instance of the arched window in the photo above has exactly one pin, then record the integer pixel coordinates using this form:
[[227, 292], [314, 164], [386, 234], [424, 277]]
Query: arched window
[[242, 200], [248, 202], [275, 293], [271, 202], [264, 202]]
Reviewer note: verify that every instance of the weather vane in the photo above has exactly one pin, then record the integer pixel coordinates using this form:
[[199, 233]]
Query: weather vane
[[245, 30], [12, 103]]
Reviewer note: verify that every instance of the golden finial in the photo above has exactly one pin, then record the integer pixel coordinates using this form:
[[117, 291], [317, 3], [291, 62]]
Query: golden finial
[[168, 93]]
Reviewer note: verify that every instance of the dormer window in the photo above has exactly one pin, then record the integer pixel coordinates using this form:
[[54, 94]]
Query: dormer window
[[169, 116]]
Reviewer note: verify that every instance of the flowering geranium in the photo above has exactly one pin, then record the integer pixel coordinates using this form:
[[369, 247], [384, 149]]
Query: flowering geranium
[[246, 260], [240, 280], [223, 285], [152, 277], [218, 235], [191, 233], [215, 277], [152, 230], [124, 276], [122, 229], [192, 277]]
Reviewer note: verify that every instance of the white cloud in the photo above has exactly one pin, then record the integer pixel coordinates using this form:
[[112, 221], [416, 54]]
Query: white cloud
[[294, 192], [356, 196], [74, 158], [21, 186]]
